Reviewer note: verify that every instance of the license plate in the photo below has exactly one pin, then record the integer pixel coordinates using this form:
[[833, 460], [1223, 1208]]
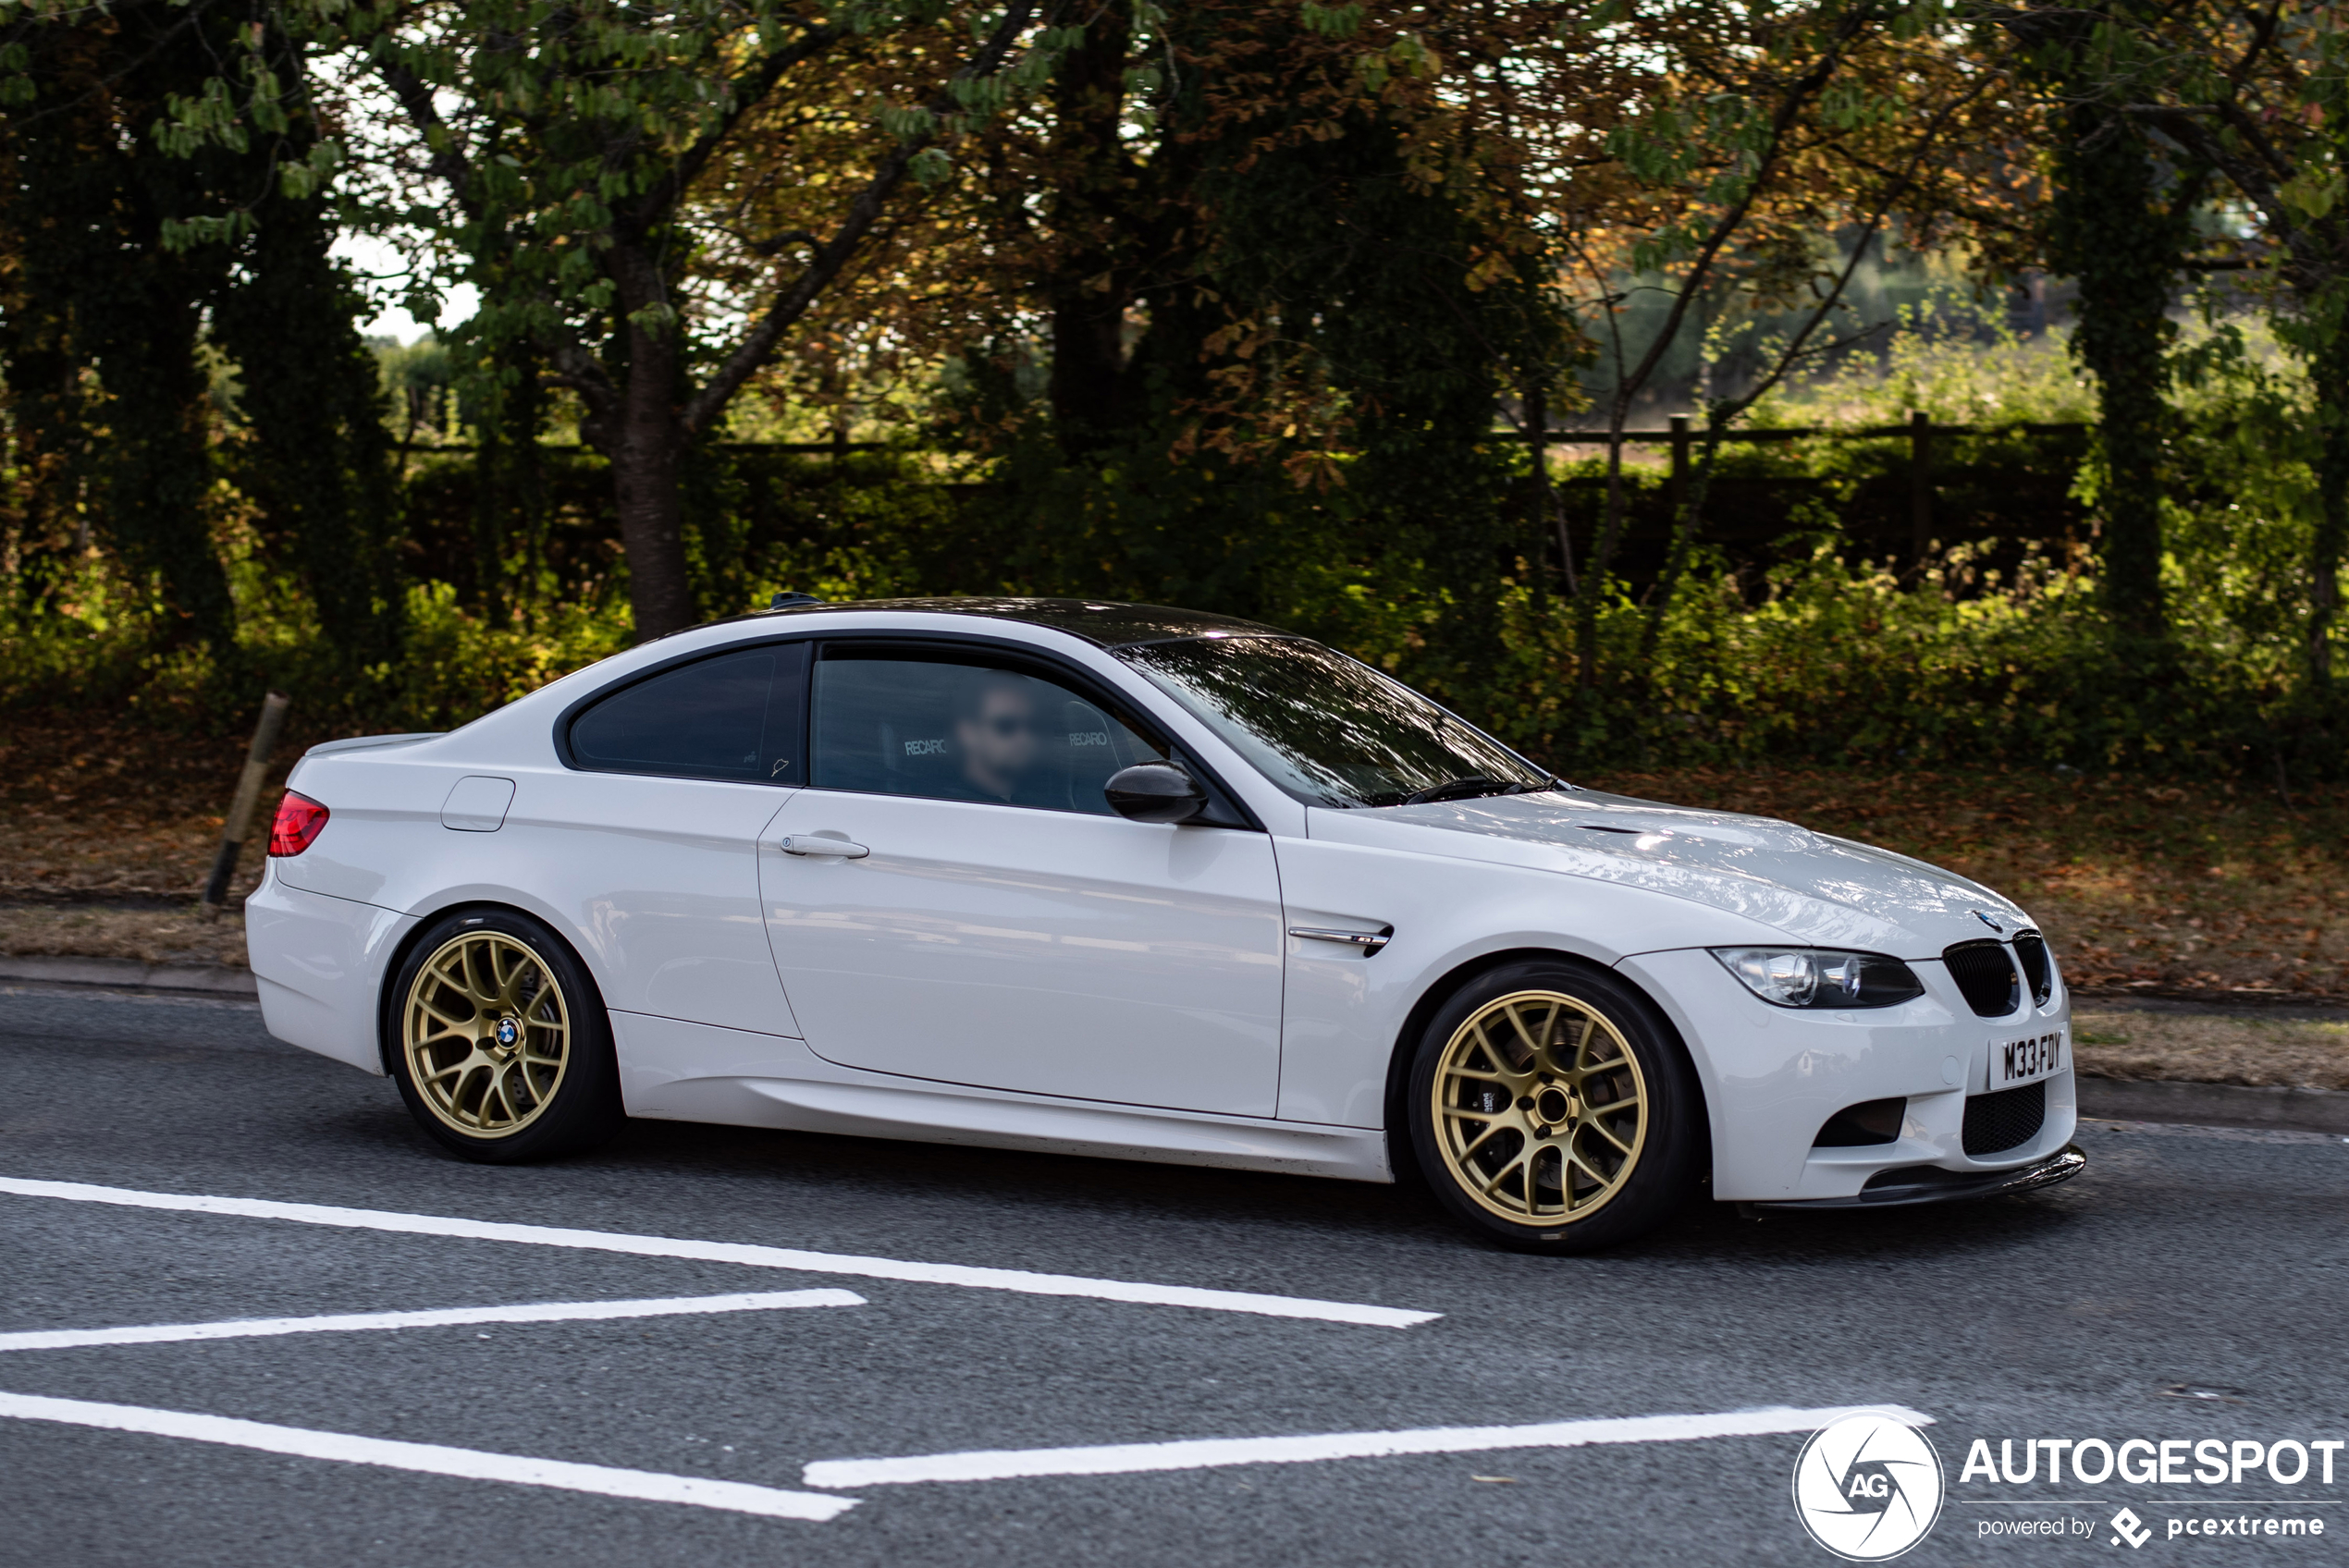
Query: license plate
[[2028, 1059]]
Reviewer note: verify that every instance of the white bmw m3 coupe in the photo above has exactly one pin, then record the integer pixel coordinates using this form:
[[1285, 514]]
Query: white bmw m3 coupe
[[1115, 879]]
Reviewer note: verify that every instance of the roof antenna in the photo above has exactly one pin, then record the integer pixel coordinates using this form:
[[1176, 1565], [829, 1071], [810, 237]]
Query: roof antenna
[[788, 599]]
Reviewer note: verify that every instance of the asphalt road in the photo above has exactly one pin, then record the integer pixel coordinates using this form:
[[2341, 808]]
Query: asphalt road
[[2191, 1285]]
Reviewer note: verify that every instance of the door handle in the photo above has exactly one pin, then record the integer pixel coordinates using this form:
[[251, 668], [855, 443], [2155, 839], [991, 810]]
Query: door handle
[[821, 844]]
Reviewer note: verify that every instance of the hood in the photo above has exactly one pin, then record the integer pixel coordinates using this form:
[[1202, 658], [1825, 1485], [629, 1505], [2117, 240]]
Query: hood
[[1815, 888]]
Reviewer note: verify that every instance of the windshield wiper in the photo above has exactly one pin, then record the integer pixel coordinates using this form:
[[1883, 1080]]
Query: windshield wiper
[[1463, 789]]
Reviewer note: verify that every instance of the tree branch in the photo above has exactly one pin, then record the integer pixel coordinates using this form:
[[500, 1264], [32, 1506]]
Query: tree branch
[[745, 93], [1782, 123], [448, 166], [832, 257]]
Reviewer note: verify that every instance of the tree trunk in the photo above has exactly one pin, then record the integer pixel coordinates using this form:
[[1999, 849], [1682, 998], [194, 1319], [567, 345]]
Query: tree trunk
[[645, 439], [318, 458], [1090, 291], [2332, 512], [644, 474], [2125, 249]]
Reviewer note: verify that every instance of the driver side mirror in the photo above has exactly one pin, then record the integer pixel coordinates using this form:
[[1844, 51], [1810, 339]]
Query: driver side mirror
[[1155, 792]]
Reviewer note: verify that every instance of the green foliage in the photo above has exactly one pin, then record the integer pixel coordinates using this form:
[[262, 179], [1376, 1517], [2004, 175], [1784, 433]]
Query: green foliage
[[2002, 654], [1997, 654], [1297, 432], [98, 330], [873, 526], [1951, 358], [1845, 663], [143, 375], [1310, 276]]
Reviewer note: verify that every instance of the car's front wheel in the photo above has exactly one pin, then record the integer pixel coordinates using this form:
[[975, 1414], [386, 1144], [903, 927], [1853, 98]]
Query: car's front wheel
[[500, 1042], [1551, 1109]]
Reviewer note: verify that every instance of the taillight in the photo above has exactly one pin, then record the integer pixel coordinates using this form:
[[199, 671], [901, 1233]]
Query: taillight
[[299, 823]]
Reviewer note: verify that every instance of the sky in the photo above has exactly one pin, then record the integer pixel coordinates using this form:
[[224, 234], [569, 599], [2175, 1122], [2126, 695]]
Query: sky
[[379, 266]]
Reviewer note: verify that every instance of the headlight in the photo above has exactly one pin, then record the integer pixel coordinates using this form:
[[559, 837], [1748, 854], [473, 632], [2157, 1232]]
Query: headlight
[[1821, 976]]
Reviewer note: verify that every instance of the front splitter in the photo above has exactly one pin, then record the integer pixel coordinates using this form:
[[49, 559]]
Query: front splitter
[[1931, 1184]]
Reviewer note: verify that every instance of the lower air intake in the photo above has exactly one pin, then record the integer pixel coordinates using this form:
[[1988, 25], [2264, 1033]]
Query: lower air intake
[[1856, 1126], [2007, 1120]]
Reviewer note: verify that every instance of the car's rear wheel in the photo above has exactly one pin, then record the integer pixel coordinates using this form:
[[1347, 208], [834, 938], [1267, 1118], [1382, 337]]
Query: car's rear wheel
[[500, 1042], [1551, 1109]]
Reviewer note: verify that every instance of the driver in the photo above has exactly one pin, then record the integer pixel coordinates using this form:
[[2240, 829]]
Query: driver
[[997, 737]]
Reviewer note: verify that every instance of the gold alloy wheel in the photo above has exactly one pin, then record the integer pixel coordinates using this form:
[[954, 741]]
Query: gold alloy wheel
[[1540, 1107], [487, 1033]]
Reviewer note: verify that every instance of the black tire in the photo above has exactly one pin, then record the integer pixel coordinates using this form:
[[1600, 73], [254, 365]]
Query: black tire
[[1514, 1097], [508, 1037]]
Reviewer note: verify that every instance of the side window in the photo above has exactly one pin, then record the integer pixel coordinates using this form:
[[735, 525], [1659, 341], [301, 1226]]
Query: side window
[[891, 723], [734, 716]]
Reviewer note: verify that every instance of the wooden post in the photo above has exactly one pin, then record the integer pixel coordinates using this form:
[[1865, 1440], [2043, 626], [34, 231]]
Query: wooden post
[[1920, 486], [1680, 488], [232, 832], [1546, 512]]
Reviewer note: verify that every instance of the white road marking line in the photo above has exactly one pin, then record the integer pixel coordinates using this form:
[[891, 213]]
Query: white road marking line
[[1213, 1452], [431, 1459], [1016, 1279], [542, 1312]]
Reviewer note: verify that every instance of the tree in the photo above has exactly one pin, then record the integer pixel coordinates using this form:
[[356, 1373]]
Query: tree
[[107, 327], [2122, 227], [2258, 93], [1771, 145], [2119, 220], [1257, 277], [588, 167], [102, 323]]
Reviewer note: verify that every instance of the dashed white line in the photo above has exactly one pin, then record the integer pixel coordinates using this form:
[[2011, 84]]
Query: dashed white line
[[431, 1459], [999, 1464], [1015, 1280], [344, 1322]]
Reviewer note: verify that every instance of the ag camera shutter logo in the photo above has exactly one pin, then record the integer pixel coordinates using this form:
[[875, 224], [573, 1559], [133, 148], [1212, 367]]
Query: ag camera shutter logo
[[1867, 1487]]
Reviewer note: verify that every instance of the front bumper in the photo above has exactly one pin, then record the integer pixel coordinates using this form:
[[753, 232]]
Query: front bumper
[[1773, 1077], [1931, 1184]]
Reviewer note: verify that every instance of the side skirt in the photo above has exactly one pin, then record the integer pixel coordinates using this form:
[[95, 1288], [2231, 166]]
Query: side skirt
[[789, 1087]]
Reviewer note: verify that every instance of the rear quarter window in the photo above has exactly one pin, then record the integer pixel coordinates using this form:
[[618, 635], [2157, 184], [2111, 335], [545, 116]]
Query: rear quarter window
[[734, 715]]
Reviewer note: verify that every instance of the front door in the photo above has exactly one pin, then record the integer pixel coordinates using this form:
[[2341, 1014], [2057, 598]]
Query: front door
[[954, 899]]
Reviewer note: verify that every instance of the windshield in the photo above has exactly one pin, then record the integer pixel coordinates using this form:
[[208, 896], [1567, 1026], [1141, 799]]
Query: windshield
[[1330, 730]]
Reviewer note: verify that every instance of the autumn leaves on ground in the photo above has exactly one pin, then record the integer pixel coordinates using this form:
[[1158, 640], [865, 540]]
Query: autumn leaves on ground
[[2218, 890]]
